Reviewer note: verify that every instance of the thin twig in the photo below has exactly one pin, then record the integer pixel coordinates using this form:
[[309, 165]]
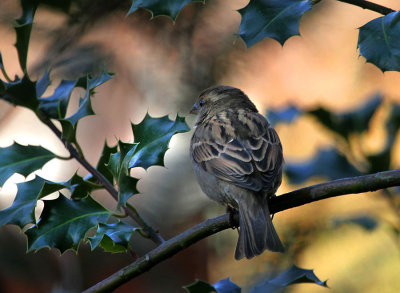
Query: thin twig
[[370, 6], [151, 233], [209, 227]]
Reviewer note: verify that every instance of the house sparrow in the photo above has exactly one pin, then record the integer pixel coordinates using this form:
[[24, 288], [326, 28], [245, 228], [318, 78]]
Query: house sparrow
[[237, 158]]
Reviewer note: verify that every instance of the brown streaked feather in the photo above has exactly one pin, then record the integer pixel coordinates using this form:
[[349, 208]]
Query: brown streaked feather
[[239, 147]]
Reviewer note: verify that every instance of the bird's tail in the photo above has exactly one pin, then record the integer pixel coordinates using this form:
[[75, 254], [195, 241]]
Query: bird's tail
[[256, 233]]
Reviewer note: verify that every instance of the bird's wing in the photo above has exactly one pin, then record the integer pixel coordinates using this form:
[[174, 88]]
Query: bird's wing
[[242, 149]]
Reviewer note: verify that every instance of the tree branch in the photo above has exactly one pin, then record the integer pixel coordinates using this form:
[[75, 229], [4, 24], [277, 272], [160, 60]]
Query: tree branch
[[152, 234], [370, 6], [286, 201]]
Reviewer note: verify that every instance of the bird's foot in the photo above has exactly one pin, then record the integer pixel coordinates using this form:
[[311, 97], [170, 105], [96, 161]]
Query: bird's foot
[[232, 212]]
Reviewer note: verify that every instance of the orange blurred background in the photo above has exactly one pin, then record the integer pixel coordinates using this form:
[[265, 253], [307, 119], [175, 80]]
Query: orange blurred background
[[160, 68]]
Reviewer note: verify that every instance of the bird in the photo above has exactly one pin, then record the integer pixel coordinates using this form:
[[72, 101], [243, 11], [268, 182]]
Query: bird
[[237, 158]]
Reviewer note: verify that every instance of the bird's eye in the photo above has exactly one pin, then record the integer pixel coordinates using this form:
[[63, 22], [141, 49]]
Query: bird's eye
[[201, 102]]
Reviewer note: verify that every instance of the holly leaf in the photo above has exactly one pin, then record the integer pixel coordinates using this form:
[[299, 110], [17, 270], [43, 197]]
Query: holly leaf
[[169, 8], [69, 125], [55, 106], [293, 275], [80, 187], [22, 159], [112, 237], [328, 163], [379, 42], [22, 211], [277, 19], [153, 136], [104, 159], [20, 93], [65, 222], [42, 84], [354, 121], [23, 30], [119, 167]]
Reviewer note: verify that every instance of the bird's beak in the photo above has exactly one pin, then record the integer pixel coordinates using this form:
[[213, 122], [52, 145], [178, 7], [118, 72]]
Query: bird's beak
[[195, 109]]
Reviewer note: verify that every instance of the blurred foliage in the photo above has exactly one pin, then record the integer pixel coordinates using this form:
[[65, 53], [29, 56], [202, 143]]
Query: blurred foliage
[[293, 275]]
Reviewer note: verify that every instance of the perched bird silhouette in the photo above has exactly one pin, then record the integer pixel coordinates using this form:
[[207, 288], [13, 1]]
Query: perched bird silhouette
[[237, 158]]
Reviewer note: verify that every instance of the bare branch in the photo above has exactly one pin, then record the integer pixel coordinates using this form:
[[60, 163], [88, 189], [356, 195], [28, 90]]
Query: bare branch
[[209, 227], [370, 6]]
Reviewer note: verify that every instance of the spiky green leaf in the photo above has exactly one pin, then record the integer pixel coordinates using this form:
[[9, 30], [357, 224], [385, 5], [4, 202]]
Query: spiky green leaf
[[104, 159], [22, 159], [277, 19], [119, 167], [22, 211], [153, 136], [42, 84], [23, 30], [55, 106], [169, 8], [379, 42], [65, 222], [112, 237], [20, 93], [69, 125]]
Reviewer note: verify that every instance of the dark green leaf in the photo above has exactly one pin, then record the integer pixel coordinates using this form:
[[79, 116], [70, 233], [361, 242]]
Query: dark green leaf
[[42, 84], [20, 93], [293, 275], [79, 187], [118, 165], [199, 286], [64, 223], [69, 125], [227, 286], [85, 109], [22, 211], [104, 159], [118, 236], [169, 8], [22, 159], [355, 121], [3, 70], [277, 19], [379, 41], [153, 136], [56, 105], [367, 222], [126, 188], [23, 30], [89, 83], [327, 163]]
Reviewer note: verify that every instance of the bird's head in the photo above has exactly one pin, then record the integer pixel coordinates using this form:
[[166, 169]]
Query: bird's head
[[220, 98]]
